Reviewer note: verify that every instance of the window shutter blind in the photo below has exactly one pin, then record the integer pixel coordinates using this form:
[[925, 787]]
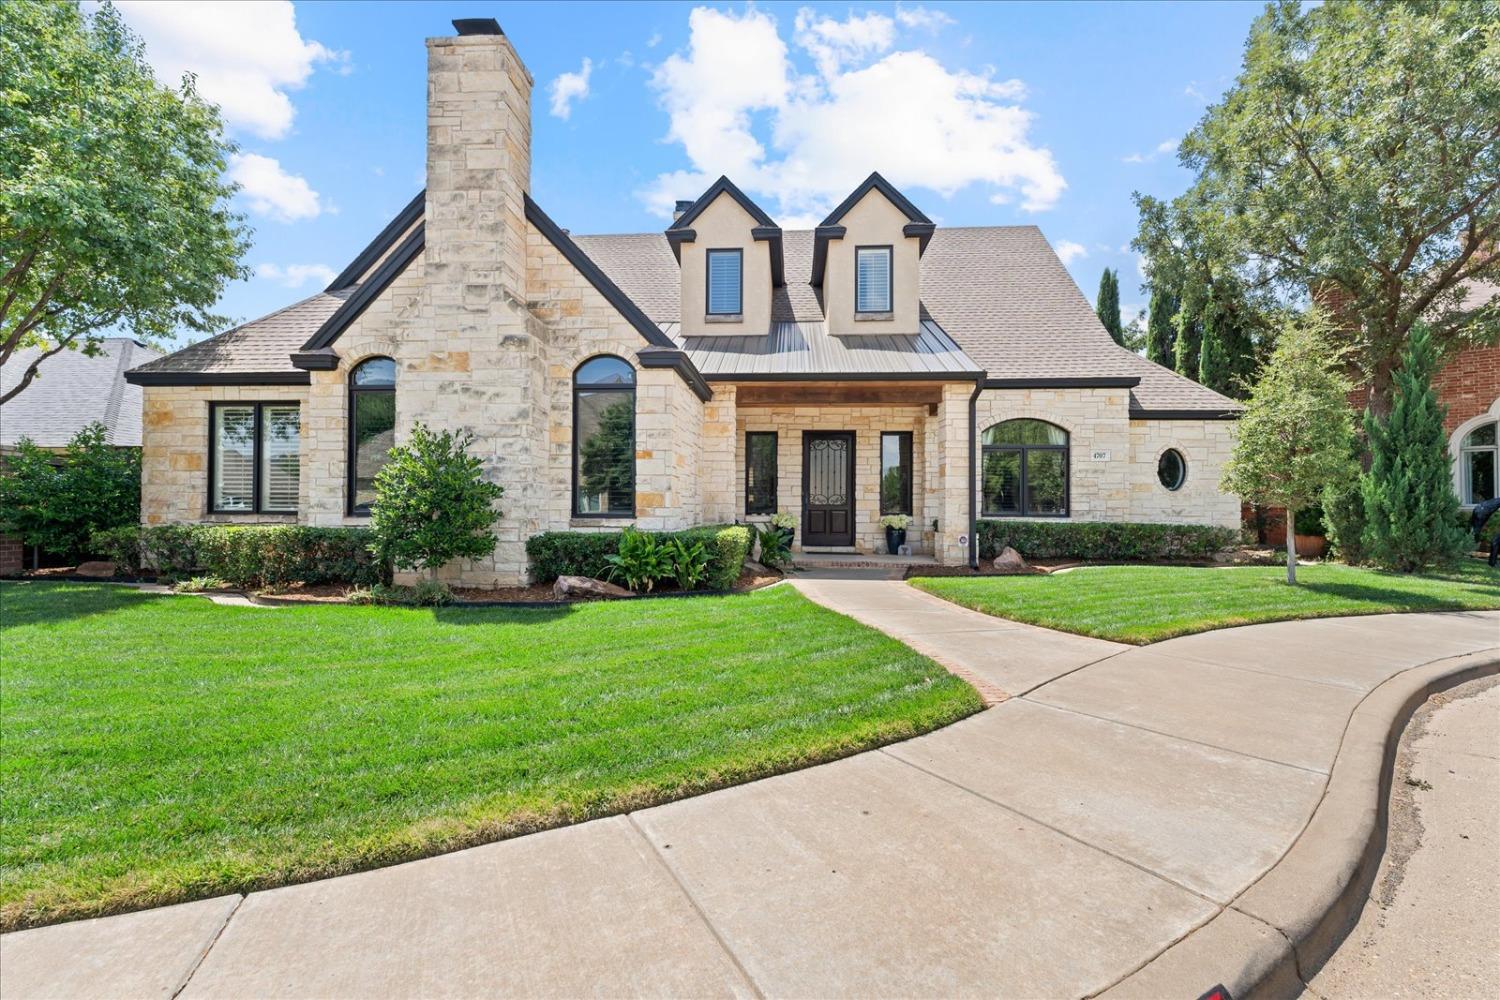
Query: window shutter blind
[[234, 457], [723, 282], [873, 277], [280, 457]]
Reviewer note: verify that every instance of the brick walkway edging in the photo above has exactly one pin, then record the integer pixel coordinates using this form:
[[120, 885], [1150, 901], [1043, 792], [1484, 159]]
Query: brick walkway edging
[[1287, 923]]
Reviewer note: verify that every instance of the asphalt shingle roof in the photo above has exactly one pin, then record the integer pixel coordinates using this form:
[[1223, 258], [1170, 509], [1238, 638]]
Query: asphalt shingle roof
[[71, 391], [998, 295]]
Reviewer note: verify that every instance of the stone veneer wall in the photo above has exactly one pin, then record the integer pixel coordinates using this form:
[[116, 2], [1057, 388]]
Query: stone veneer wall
[[867, 423], [174, 451], [1205, 445]]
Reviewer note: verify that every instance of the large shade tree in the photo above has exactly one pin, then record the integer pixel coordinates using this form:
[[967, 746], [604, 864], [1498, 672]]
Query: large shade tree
[[1356, 159], [114, 211]]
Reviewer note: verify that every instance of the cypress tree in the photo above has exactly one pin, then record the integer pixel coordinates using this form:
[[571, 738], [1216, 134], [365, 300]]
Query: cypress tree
[[1107, 305], [1411, 511], [1185, 350], [1213, 362], [1161, 332]]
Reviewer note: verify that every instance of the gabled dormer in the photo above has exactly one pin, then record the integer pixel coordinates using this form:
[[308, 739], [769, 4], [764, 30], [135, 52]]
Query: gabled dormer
[[729, 254], [867, 258]]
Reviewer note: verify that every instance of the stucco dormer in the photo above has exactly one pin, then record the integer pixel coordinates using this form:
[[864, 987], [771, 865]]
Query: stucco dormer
[[722, 235], [867, 258]]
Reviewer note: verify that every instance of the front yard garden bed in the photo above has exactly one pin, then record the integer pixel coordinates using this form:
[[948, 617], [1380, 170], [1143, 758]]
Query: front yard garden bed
[[1143, 604], [159, 749]]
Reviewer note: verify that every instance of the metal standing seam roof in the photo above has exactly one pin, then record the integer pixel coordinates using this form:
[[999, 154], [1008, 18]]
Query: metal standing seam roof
[[807, 348], [71, 391]]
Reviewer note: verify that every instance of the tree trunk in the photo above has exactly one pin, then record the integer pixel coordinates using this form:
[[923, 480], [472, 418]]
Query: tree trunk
[[1291, 546], [1382, 388]]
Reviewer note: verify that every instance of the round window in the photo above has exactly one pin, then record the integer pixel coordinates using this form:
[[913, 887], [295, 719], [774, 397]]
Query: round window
[[1171, 469]]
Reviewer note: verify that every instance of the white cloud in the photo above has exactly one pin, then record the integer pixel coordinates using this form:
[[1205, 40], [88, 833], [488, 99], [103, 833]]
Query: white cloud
[[1162, 148], [654, 40], [1068, 251], [570, 87], [921, 17], [247, 54], [295, 275], [870, 105], [272, 191], [1191, 90]]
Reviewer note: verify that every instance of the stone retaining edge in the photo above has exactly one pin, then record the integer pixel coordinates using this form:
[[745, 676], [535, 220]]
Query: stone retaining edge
[[1277, 933]]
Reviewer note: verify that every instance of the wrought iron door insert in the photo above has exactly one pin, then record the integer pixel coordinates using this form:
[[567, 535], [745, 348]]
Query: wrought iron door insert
[[827, 488]]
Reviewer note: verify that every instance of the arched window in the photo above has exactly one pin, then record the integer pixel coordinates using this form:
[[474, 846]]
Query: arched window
[[1478, 461], [604, 438], [1025, 472], [372, 427]]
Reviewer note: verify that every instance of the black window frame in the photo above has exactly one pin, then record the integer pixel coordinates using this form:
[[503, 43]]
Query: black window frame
[[256, 505], [351, 473], [904, 456], [775, 473], [1181, 461], [573, 453], [1024, 449], [890, 282], [708, 281]]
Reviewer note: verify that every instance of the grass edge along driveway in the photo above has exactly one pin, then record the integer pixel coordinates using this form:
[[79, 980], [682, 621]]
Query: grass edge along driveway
[[1145, 604], [161, 749]]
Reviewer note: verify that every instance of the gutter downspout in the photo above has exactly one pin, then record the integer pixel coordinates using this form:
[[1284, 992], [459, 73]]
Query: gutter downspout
[[973, 472]]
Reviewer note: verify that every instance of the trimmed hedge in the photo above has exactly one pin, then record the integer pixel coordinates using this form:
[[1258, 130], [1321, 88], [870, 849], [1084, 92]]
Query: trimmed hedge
[[245, 555], [1127, 541], [584, 553]]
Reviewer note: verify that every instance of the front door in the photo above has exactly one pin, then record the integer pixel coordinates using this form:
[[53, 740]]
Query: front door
[[828, 488]]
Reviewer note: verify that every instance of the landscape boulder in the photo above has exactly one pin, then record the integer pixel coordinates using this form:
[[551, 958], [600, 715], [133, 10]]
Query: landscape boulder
[[1009, 561], [99, 569], [568, 587]]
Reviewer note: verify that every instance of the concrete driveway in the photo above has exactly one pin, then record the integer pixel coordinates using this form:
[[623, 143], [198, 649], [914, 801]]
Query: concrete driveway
[[1114, 801]]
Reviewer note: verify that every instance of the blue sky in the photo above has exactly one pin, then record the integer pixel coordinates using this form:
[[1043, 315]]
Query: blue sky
[[1048, 113]]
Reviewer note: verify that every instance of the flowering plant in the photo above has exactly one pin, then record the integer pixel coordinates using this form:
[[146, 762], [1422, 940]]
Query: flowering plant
[[780, 519], [898, 521]]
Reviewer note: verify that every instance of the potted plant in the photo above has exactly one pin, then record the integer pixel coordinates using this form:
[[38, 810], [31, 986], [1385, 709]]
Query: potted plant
[[786, 525], [895, 526]]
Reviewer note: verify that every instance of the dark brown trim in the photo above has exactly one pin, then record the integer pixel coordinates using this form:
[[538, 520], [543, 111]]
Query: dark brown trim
[[325, 360], [890, 274], [1185, 414], [218, 378], [477, 26], [1072, 382], [923, 231], [708, 280], [381, 243], [573, 451], [256, 443], [821, 236], [775, 473], [680, 363], [974, 472], [369, 290], [772, 236], [852, 505], [721, 186], [875, 182], [904, 457], [351, 471], [842, 376]]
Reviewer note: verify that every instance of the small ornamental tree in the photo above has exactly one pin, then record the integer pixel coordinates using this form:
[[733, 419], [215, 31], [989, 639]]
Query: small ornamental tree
[[1411, 511], [432, 503], [1294, 436], [56, 502]]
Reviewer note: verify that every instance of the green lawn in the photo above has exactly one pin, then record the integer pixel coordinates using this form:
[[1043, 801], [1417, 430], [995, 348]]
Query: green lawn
[[1143, 604], [158, 749]]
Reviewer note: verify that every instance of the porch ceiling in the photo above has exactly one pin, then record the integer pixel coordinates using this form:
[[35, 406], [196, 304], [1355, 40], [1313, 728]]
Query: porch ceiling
[[832, 393]]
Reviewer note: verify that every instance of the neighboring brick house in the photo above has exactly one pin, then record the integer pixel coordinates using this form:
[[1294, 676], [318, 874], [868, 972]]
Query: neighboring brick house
[[718, 371], [1468, 384]]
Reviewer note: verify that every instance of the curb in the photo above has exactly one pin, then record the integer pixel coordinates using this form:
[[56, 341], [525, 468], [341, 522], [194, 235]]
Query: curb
[[1271, 938]]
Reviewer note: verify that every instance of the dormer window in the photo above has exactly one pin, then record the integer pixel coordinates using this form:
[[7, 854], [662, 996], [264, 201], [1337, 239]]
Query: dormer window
[[872, 280], [725, 282]]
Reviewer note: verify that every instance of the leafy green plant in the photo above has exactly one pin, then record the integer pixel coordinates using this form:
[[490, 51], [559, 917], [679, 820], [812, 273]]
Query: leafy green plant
[[586, 553], [689, 561], [198, 584], [115, 210], [58, 502], [432, 503], [782, 519], [774, 552], [641, 562], [1104, 540]]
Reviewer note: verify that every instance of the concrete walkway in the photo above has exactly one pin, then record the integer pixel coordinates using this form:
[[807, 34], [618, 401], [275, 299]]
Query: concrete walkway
[[1078, 837]]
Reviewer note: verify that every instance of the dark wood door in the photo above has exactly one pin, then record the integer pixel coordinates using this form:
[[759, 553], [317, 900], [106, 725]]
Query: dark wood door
[[828, 488]]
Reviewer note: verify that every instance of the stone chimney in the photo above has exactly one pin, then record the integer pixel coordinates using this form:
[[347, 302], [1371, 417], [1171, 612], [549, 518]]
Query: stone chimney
[[484, 369]]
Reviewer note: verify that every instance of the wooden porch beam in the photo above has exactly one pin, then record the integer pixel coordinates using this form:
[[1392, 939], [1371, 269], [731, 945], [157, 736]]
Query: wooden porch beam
[[764, 394]]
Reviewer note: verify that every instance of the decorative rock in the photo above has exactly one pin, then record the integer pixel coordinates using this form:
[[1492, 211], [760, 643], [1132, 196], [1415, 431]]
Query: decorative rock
[[1009, 561], [99, 570], [582, 586]]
